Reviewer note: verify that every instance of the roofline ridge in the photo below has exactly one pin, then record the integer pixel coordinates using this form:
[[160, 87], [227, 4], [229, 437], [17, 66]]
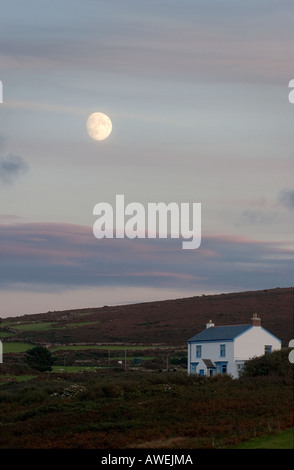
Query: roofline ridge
[[209, 331]]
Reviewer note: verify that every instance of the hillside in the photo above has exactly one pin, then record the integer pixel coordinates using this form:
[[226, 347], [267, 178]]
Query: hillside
[[169, 322]]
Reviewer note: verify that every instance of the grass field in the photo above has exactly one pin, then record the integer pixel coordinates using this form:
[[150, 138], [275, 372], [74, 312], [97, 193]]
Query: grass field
[[110, 347], [5, 334], [16, 378], [16, 347], [281, 440], [84, 323], [38, 326], [41, 326], [72, 369], [20, 346], [35, 326]]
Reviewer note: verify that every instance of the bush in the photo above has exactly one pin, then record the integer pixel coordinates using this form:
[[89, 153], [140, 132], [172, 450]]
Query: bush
[[276, 363], [39, 358]]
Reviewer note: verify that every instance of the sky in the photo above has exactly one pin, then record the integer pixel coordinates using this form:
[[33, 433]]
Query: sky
[[198, 95]]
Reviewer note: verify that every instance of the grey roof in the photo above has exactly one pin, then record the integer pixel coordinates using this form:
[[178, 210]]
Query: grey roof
[[209, 363], [220, 333]]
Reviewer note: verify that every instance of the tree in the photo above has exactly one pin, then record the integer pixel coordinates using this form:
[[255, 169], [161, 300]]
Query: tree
[[39, 358]]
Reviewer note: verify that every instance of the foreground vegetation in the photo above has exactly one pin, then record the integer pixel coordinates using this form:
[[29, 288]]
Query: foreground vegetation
[[114, 408], [103, 399]]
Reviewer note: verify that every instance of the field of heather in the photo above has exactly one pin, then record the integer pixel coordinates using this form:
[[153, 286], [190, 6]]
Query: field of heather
[[117, 408]]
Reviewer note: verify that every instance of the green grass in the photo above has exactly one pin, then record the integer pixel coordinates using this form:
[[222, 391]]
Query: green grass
[[72, 369], [18, 378], [100, 347], [113, 362], [6, 324], [282, 440], [82, 314], [34, 326], [5, 334], [82, 323], [16, 347], [41, 326]]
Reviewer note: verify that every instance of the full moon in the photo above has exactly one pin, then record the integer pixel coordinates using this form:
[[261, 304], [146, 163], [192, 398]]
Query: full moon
[[99, 126]]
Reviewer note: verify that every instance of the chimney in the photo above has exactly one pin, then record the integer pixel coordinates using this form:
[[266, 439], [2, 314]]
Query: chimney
[[210, 324], [256, 321]]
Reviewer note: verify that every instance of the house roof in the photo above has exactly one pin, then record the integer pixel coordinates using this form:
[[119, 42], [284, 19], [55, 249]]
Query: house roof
[[220, 333], [209, 364]]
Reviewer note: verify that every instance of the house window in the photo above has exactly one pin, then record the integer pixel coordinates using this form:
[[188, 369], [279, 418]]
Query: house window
[[222, 350], [198, 351], [267, 349], [201, 372], [221, 367]]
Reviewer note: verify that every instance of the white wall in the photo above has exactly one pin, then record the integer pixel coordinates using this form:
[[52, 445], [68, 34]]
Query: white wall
[[211, 350], [252, 343]]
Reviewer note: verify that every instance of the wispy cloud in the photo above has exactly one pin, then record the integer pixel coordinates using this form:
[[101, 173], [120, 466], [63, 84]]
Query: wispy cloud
[[11, 168], [192, 41], [64, 256], [258, 217], [286, 198]]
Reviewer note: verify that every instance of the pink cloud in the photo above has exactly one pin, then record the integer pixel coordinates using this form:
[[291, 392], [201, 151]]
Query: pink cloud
[[68, 255]]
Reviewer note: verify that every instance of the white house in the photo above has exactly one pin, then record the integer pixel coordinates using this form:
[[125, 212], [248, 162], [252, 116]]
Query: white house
[[224, 349]]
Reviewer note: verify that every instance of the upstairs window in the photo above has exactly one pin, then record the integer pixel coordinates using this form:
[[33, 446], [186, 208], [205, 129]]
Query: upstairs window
[[267, 349], [198, 351], [222, 350]]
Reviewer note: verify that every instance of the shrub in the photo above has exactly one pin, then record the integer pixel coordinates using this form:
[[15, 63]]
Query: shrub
[[276, 363], [39, 358]]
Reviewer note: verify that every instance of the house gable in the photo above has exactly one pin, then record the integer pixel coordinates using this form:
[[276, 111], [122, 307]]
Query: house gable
[[269, 333], [255, 342]]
